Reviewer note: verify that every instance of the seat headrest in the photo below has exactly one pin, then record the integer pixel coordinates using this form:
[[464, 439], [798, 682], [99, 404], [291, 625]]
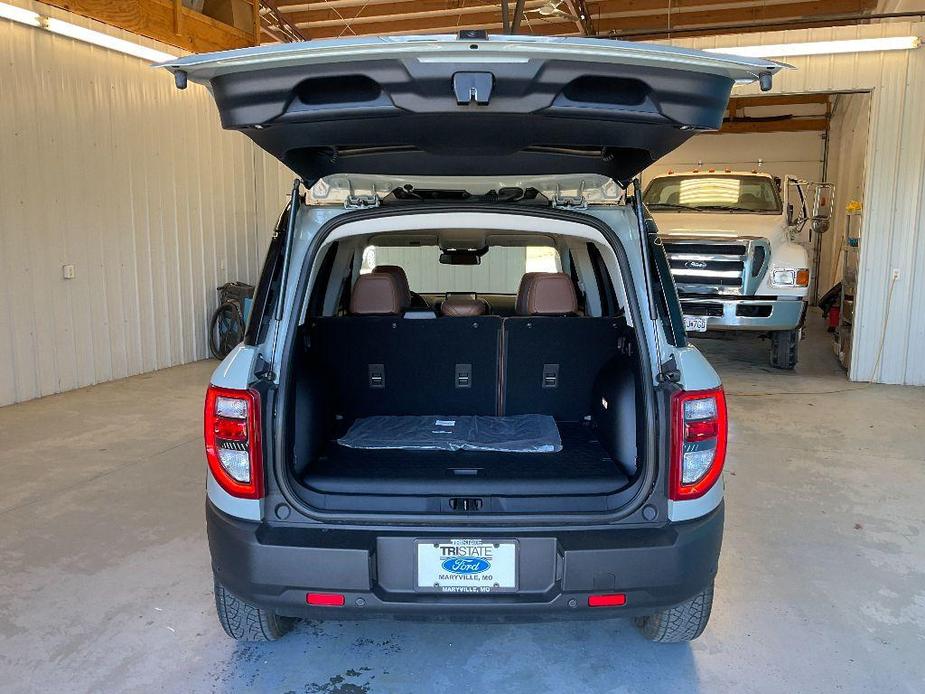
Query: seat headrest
[[546, 294], [523, 291], [460, 306], [376, 294], [398, 273]]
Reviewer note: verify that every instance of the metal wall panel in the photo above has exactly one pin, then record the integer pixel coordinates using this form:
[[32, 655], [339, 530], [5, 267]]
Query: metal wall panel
[[889, 336], [106, 166]]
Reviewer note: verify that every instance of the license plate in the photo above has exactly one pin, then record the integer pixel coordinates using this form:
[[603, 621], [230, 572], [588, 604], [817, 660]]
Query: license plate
[[695, 324], [466, 566]]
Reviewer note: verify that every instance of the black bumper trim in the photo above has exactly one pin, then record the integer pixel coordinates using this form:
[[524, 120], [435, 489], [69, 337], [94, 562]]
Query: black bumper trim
[[274, 567]]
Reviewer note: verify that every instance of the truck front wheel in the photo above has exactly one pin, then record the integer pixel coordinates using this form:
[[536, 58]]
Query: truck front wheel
[[785, 348]]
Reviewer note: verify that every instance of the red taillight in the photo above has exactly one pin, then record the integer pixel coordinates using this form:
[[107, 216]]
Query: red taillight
[[698, 442], [232, 433], [609, 600], [325, 599]]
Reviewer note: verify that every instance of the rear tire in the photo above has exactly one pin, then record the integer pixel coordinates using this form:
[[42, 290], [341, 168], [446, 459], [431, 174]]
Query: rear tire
[[785, 348], [245, 622], [684, 622]]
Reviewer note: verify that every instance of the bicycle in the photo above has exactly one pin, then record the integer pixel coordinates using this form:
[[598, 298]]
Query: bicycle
[[229, 320]]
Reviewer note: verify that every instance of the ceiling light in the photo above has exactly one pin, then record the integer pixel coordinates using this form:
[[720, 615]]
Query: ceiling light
[[97, 38], [786, 50], [18, 14]]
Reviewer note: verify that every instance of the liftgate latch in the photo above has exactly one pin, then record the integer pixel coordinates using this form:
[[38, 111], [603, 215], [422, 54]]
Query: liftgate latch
[[473, 86]]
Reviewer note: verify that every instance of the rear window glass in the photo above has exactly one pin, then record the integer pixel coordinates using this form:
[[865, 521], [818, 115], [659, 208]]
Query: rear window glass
[[498, 273], [733, 193]]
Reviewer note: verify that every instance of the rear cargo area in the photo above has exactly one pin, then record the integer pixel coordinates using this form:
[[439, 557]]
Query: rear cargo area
[[575, 374]]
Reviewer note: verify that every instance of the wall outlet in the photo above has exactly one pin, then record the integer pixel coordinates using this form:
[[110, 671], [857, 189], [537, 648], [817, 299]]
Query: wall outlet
[[895, 273], [68, 271]]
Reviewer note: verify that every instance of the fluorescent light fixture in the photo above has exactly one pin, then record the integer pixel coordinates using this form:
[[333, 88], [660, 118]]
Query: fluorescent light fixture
[[18, 14], [786, 50], [97, 38]]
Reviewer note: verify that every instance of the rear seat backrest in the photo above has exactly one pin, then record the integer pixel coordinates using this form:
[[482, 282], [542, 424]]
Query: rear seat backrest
[[552, 357], [385, 365]]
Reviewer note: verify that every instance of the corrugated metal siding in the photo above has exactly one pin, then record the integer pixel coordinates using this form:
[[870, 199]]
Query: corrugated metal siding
[[894, 192], [105, 165]]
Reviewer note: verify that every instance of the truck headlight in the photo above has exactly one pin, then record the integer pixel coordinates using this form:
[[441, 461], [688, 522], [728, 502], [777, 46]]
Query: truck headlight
[[789, 277]]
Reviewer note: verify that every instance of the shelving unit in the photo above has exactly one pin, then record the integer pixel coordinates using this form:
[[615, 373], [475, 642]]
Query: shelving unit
[[851, 253]]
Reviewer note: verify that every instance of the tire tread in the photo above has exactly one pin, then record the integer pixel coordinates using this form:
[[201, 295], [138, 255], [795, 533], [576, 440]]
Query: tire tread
[[684, 622], [245, 622]]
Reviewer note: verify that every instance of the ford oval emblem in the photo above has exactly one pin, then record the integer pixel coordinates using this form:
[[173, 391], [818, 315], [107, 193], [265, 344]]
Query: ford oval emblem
[[699, 264], [465, 566]]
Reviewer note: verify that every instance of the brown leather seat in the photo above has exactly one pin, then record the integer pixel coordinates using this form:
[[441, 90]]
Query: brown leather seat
[[401, 278], [376, 294], [463, 307], [546, 294]]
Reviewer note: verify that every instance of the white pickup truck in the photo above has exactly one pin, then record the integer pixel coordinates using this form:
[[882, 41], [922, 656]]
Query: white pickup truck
[[737, 245]]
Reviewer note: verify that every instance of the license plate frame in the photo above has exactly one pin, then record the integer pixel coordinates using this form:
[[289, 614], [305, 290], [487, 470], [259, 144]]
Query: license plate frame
[[503, 554], [695, 324]]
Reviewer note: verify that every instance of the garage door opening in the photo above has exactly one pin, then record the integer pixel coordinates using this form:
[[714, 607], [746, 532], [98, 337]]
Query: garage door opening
[[789, 138]]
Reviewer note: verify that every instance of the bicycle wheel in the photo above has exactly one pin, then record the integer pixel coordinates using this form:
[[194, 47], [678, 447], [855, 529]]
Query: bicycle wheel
[[226, 329]]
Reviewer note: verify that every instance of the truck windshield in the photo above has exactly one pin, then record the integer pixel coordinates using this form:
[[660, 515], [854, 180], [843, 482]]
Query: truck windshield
[[713, 193]]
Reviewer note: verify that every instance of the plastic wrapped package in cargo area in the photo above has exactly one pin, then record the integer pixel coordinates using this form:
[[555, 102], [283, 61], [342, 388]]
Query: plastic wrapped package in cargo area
[[528, 433]]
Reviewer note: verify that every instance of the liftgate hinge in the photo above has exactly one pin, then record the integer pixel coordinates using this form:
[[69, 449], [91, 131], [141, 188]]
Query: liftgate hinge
[[567, 202], [361, 202]]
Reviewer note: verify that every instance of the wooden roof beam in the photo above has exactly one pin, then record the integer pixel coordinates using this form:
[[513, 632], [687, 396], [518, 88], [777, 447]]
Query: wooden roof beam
[[783, 125], [383, 14]]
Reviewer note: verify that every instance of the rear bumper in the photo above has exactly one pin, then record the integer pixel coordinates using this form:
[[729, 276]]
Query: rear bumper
[[746, 314], [274, 567]]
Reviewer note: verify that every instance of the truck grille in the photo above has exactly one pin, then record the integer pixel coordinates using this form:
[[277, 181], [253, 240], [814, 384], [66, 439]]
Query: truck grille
[[716, 267], [700, 308]]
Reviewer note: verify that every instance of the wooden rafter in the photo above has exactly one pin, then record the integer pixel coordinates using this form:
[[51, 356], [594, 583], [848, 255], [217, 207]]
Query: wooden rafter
[[327, 18], [780, 125]]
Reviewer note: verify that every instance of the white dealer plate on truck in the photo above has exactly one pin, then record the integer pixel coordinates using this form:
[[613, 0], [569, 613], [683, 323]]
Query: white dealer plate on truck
[[695, 324], [466, 566]]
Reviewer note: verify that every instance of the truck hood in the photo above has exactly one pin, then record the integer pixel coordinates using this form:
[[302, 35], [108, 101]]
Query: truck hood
[[718, 225], [443, 106]]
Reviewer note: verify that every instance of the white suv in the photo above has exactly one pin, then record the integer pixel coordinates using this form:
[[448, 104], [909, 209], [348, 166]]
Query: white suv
[[455, 428]]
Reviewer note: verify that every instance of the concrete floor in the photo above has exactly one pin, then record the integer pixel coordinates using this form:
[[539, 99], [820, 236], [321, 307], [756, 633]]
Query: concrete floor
[[105, 581]]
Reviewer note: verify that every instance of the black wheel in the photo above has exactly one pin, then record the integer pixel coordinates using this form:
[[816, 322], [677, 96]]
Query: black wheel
[[244, 622], [684, 622], [226, 329], [785, 348]]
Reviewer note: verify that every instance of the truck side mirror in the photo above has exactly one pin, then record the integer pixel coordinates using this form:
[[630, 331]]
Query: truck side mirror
[[822, 207]]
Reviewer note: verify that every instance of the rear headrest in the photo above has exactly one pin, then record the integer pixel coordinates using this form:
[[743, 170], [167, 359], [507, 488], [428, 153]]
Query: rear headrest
[[398, 273], [523, 291], [546, 294], [459, 306], [376, 294]]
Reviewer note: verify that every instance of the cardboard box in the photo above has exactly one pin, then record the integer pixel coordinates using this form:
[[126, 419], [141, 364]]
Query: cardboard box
[[237, 13]]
